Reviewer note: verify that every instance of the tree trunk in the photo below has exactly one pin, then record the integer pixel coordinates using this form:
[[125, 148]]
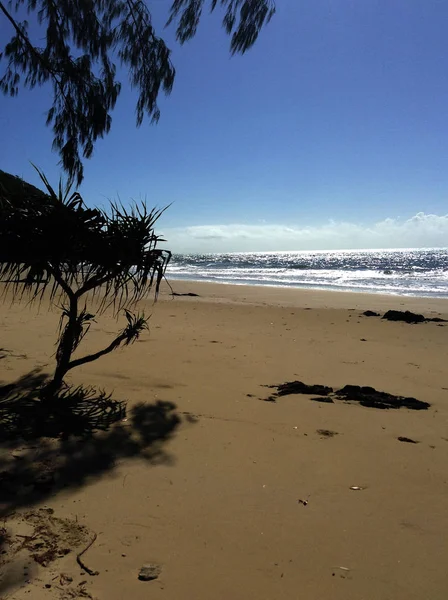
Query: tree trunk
[[64, 351]]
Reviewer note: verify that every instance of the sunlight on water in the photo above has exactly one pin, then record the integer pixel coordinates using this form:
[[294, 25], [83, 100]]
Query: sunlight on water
[[404, 272]]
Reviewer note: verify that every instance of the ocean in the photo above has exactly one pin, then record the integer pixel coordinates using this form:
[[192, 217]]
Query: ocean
[[408, 272]]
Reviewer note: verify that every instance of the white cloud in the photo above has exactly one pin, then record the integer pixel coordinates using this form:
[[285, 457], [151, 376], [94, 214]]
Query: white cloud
[[419, 231]]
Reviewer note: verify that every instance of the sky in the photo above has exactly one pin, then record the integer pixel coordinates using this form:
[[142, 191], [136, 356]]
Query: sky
[[331, 132]]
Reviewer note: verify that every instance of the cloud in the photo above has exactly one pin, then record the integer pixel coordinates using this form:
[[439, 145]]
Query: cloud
[[419, 231]]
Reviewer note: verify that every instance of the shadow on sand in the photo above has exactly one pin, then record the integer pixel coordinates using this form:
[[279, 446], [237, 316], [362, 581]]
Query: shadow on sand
[[74, 440]]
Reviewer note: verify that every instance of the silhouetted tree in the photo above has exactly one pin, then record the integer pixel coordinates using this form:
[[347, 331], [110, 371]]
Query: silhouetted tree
[[82, 41], [53, 242]]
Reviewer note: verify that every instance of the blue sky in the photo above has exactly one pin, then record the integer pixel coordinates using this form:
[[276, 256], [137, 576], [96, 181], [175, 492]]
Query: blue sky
[[335, 122]]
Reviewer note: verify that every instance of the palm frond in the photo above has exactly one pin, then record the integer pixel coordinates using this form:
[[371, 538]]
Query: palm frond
[[136, 325], [52, 241]]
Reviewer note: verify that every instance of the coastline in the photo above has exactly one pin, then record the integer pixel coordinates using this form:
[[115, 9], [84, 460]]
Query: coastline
[[213, 496], [411, 272], [305, 298]]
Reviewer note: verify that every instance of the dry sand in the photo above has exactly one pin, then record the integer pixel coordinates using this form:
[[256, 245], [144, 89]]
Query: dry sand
[[215, 503]]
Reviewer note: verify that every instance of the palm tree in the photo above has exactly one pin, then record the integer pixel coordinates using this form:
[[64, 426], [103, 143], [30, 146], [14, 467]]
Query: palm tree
[[53, 242]]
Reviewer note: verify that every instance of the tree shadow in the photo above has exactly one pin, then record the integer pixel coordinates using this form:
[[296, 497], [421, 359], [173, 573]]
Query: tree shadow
[[75, 410], [27, 384], [77, 439]]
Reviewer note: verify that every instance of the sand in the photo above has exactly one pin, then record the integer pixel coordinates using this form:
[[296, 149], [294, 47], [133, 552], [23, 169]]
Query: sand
[[215, 501]]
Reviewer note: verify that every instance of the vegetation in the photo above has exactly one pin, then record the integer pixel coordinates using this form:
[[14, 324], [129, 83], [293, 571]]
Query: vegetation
[[83, 40], [52, 242]]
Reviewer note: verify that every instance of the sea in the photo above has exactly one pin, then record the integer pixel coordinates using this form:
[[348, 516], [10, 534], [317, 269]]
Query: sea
[[407, 272]]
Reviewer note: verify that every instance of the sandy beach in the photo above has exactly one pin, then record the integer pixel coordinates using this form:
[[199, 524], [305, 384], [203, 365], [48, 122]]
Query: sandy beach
[[234, 497]]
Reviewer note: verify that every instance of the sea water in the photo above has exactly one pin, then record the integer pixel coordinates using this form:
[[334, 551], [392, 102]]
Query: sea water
[[409, 272]]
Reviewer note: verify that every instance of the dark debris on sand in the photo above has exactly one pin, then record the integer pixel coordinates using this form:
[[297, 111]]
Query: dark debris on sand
[[407, 316], [298, 387], [404, 315], [364, 395], [190, 294], [369, 396]]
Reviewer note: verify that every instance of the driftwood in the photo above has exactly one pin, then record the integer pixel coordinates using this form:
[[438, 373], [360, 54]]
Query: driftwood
[[80, 562]]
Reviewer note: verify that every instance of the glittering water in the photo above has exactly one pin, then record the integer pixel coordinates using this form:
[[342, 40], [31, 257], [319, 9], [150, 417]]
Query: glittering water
[[408, 272]]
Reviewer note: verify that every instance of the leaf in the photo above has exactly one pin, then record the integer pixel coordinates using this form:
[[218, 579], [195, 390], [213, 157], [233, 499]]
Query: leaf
[[79, 44]]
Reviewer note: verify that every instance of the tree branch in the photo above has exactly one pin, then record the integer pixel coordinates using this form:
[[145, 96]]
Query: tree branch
[[60, 281], [91, 357], [95, 282], [33, 50]]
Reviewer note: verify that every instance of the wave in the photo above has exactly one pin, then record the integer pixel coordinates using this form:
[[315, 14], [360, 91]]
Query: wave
[[403, 272]]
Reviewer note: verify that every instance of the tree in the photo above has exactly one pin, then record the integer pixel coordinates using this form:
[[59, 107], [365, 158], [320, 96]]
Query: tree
[[84, 39], [54, 242]]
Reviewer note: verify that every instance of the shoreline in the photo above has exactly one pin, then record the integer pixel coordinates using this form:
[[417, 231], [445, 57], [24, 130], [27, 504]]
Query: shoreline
[[314, 288], [302, 297], [419, 273]]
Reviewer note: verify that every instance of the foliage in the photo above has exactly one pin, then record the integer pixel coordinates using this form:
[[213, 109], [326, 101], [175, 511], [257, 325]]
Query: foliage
[[53, 242], [83, 42], [57, 241]]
